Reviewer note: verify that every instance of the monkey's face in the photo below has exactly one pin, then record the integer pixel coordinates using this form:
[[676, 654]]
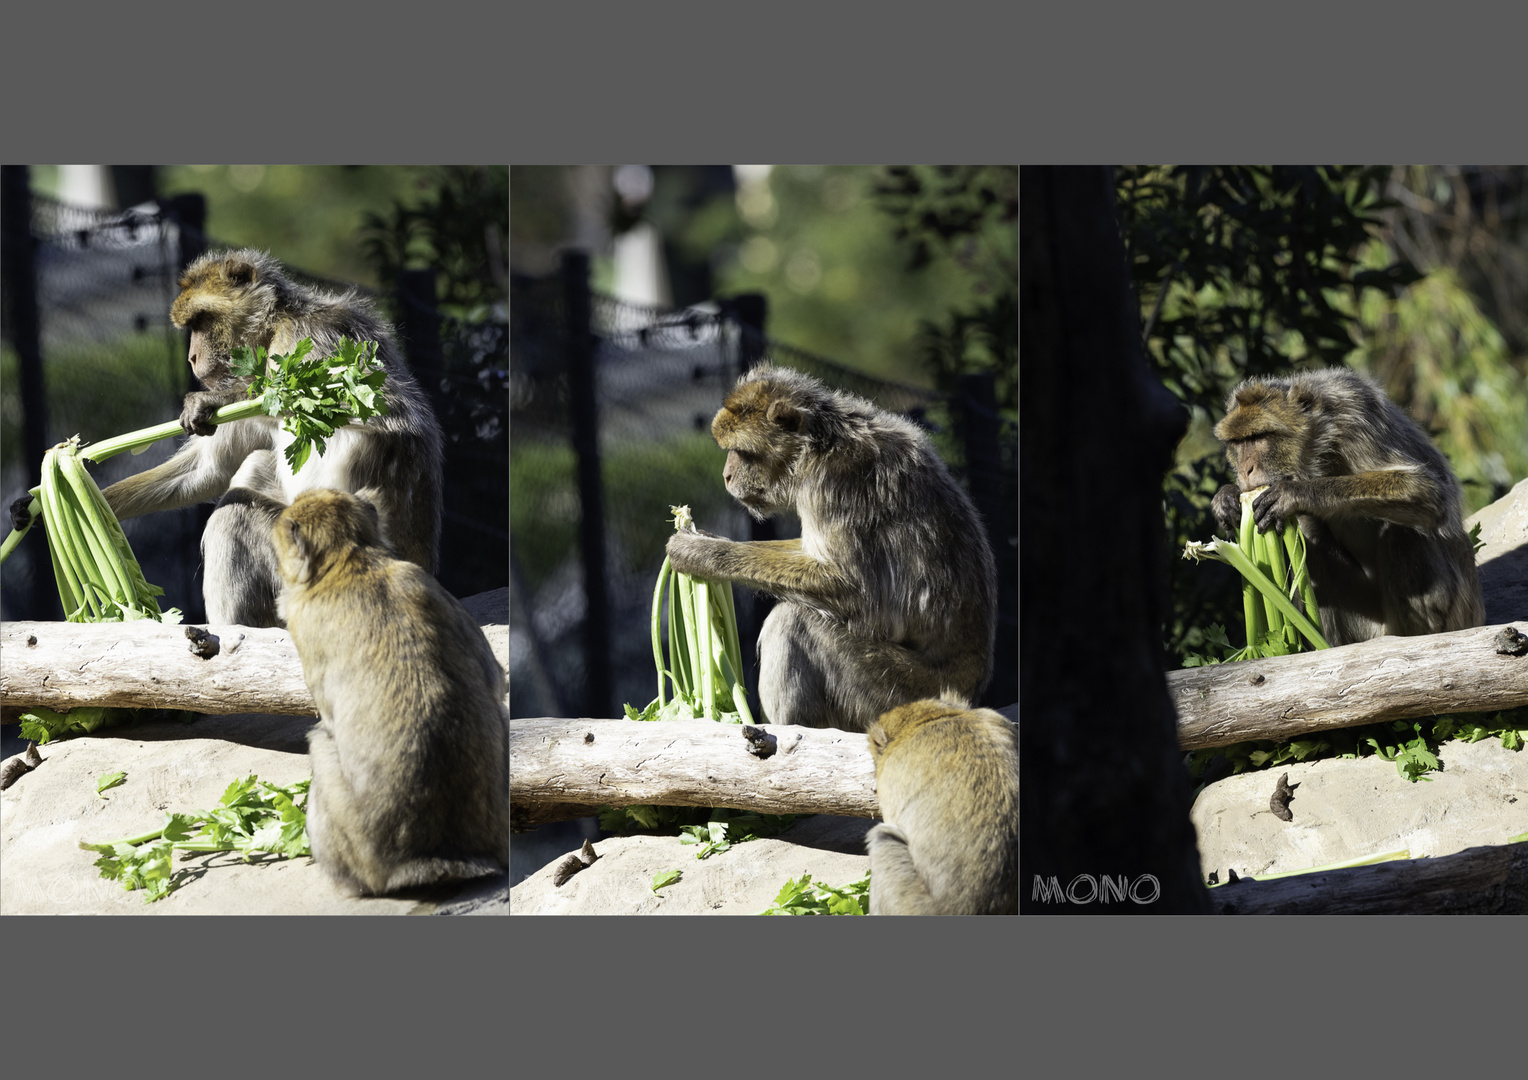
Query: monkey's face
[[221, 303], [762, 482], [763, 431], [1267, 433]]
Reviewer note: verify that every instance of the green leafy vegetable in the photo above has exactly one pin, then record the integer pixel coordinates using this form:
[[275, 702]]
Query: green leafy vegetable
[[1414, 745], [109, 781], [667, 877], [314, 396], [806, 897], [252, 817], [723, 828]]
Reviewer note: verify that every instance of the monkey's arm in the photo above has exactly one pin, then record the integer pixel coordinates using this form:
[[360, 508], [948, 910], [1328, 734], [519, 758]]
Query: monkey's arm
[[778, 567], [200, 471], [896, 887], [1402, 496]]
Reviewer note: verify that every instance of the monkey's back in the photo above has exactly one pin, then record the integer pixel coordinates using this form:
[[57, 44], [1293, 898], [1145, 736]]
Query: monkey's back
[[948, 782], [920, 558], [412, 712]]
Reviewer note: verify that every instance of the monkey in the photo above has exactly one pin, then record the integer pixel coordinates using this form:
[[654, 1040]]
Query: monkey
[[245, 297], [947, 781], [889, 593], [1377, 503], [411, 753]]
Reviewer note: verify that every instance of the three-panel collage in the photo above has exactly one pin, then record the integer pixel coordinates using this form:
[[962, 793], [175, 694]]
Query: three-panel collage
[[689, 540]]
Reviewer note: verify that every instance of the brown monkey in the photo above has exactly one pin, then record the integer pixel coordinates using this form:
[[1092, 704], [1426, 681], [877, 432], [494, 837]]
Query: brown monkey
[[1377, 503], [244, 297], [947, 780], [411, 753], [888, 596]]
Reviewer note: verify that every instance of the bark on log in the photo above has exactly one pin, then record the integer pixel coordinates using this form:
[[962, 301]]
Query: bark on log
[[1388, 678], [146, 665], [560, 769], [1480, 881]]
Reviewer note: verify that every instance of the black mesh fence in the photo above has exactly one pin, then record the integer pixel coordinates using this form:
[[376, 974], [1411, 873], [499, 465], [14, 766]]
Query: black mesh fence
[[658, 378], [99, 285]]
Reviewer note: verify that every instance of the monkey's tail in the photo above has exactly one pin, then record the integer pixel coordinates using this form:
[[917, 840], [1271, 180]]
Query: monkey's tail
[[434, 871]]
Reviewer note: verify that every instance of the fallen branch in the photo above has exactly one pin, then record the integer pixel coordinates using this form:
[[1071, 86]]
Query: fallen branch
[[1480, 881], [560, 769], [148, 665], [1388, 678]]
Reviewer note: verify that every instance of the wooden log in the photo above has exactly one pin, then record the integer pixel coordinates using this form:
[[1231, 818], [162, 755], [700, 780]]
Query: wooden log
[[148, 665], [566, 768], [1479, 881], [1387, 678]]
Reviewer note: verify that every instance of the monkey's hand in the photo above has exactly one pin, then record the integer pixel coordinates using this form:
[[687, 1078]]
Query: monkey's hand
[[1282, 500], [21, 514], [196, 412], [1227, 508], [698, 553]]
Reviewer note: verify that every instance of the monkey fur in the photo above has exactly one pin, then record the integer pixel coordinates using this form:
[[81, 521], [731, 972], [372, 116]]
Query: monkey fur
[[889, 594], [1377, 502], [245, 297], [411, 753], [947, 780]]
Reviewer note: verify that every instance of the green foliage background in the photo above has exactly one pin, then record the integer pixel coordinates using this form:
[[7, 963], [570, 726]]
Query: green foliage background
[[1247, 270]]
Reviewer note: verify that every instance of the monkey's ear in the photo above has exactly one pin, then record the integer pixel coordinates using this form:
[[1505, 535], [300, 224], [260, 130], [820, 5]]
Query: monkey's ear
[[239, 271], [301, 549], [785, 416], [877, 737], [1305, 398]]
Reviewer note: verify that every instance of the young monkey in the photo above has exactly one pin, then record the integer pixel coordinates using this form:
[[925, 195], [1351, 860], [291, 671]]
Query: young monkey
[[411, 754], [947, 780]]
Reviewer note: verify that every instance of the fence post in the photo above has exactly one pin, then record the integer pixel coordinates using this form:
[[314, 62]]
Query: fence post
[[751, 311], [24, 328], [578, 313], [189, 212]]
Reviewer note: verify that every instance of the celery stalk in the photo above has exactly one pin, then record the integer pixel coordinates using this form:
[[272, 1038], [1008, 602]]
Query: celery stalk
[[663, 576]]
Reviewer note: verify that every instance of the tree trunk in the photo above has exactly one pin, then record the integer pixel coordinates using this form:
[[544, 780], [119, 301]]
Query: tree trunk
[[1104, 792]]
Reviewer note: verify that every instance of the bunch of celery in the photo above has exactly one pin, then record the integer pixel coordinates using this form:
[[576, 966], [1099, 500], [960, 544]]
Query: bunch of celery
[[98, 578], [705, 660], [1272, 566]]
